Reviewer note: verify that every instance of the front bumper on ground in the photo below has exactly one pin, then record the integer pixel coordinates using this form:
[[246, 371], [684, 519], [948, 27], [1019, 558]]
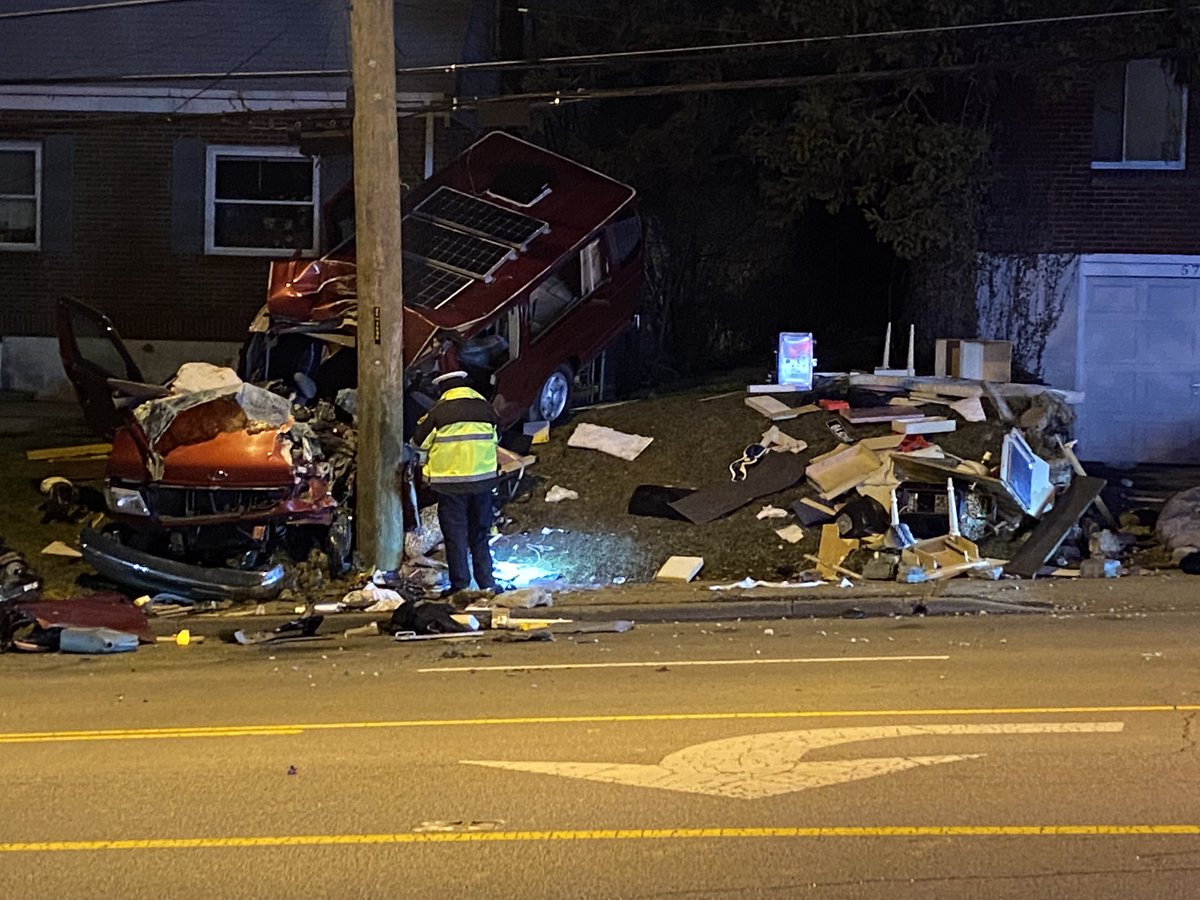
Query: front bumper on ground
[[154, 574]]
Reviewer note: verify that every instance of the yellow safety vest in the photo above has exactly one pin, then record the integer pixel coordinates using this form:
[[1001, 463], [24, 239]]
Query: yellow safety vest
[[461, 452]]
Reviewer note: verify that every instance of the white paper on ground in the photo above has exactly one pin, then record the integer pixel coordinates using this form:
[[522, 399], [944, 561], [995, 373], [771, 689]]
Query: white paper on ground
[[771, 512], [608, 440], [791, 533], [774, 439]]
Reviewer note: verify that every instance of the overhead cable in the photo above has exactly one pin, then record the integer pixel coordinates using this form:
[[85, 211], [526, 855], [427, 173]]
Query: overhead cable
[[83, 7], [586, 59]]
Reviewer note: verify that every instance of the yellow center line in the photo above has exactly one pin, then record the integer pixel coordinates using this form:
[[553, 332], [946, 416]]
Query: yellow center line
[[615, 834], [209, 731]]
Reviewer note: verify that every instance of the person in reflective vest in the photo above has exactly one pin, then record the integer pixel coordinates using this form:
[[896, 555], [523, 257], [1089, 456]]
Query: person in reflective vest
[[460, 436]]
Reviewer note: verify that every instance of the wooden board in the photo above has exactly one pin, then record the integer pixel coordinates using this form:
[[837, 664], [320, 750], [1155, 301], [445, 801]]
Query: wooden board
[[771, 408], [836, 473], [870, 414], [928, 425], [1053, 527], [70, 452], [511, 462], [773, 473], [680, 569]]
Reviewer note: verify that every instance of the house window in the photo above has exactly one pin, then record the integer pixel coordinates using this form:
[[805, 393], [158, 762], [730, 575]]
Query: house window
[[260, 201], [20, 195], [1139, 119]]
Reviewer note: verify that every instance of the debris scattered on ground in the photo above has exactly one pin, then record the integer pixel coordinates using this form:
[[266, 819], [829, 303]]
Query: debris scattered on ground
[[771, 408], [301, 629], [99, 623], [749, 583], [793, 533], [680, 569], [557, 494], [96, 640], [898, 476], [59, 548], [608, 440]]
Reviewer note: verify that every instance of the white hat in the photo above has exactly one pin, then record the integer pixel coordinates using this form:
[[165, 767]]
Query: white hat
[[450, 376]]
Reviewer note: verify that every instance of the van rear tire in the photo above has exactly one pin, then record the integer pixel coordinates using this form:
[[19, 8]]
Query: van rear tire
[[553, 398]]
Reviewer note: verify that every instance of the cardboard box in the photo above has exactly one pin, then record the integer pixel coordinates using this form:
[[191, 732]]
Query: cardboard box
[[975, 359]]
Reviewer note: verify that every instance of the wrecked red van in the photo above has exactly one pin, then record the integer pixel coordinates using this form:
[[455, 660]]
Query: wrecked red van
[[519, 266]]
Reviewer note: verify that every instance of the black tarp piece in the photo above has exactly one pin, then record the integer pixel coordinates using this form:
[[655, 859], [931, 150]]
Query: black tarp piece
[[1053, 527], [773, 473], [654, 500]]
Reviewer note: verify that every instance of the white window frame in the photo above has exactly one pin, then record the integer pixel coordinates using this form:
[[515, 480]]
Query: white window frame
[[216, 151], [21, 147], [1151, 164]]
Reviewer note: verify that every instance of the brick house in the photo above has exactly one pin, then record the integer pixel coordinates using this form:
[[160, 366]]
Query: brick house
[[160, 198], [1091, 261]]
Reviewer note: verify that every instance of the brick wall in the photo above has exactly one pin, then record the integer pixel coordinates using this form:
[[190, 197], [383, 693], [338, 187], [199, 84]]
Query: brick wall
[[121, 255], [1047, 198]]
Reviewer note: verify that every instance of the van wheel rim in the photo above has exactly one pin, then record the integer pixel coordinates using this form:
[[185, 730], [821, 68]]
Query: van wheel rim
[[554, 397]]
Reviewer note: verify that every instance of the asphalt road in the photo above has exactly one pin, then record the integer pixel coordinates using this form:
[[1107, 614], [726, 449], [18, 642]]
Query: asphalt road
[[977, 757]]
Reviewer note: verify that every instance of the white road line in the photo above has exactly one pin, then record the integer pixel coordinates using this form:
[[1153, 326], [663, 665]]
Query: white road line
[[541, 667]]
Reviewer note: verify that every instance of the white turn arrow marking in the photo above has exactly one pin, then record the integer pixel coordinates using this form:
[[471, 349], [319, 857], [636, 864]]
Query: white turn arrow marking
[[763, 765]]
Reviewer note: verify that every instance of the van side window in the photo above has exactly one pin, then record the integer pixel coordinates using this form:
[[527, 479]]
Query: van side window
[[627, 235], [554, 296], [591, 267], [493, 346]]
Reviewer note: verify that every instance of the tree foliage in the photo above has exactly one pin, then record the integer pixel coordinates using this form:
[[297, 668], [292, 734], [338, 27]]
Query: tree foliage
[[889, 114]]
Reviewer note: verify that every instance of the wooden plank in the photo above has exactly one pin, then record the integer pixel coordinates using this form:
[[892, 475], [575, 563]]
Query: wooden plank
[[511, 462], [1002, 408], [680, 569], [1053, 527], [835, 474], [883, 442], [870, 414], [771, 408], [70, 452], [928, 425], [1069, 452]]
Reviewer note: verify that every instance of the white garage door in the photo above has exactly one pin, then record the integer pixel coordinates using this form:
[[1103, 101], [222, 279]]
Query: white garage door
[[1139, 365]]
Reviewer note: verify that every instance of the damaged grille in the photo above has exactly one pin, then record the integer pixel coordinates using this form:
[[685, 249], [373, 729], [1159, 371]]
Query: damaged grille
[[198, 503]]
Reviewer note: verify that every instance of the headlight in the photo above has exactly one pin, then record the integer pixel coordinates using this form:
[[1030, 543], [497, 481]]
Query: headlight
[[126, 501]]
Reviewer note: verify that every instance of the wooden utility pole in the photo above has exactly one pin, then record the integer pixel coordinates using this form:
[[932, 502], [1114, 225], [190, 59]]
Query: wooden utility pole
[[379, 518]]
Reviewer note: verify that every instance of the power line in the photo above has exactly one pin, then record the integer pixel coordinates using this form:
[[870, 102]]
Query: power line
[[582, 95], [84, 7], [212, 84], [585, 59], [558, 98]]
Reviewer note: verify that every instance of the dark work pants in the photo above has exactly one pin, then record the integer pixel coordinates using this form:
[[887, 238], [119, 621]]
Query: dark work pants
[[466, 521]]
